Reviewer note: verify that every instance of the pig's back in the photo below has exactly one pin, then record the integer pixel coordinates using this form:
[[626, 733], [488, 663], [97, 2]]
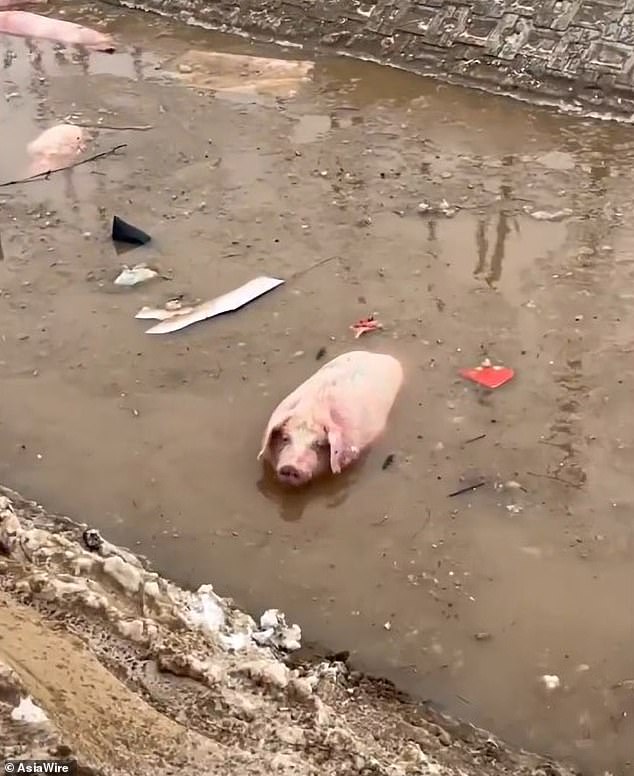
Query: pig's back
[[359, 389], [359, 384], [359, 368], [60, 139]]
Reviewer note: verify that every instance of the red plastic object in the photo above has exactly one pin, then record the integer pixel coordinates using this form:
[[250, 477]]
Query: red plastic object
[[489, 376], [365, 324]]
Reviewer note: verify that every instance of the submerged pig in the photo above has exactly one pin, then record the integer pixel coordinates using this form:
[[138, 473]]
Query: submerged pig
[[331, 418], [223, 72], [16, 3], [25, 24], [56, 147]]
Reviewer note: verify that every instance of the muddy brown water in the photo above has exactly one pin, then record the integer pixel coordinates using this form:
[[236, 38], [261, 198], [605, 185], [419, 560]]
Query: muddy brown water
[[466, 600]]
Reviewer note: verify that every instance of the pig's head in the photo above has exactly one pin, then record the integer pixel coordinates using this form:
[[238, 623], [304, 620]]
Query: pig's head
[[298, 450]]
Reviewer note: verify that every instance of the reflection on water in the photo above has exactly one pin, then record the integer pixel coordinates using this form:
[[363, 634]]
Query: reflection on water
[[505, 220], [291, 504]]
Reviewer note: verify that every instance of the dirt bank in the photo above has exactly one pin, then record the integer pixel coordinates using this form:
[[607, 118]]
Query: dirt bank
[[103, 647]]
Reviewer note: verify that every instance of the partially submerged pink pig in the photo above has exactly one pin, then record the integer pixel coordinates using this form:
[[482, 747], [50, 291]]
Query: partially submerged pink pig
[[331, 418], [25, 24], [17, 3], [56, 147]]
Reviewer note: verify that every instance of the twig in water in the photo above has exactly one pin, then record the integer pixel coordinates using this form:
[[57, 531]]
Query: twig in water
[[45, 175], [388, 461], [131, 128], [301, 272], [556, 479], [466, 489], [424, 525], [474, 439]]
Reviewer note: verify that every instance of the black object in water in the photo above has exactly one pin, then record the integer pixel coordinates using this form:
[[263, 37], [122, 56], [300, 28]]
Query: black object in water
[[124, 232]]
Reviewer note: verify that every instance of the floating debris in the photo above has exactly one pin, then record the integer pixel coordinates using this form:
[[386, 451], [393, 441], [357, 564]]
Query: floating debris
[[488, 375], [466, 489], [165, 312], [44, 174], [551, 681], [132, 276], [443, 208], [126, 233], [178, 318], [513, 485], [365, 325], [389, 460], [548, 215]]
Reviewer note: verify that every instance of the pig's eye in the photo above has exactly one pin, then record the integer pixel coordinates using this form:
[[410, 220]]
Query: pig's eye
[[285, 439]]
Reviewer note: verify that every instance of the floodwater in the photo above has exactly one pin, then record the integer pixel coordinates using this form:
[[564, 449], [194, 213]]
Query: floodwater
[[465, 600]]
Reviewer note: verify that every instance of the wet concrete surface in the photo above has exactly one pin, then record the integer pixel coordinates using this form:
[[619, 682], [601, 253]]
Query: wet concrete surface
[[154, 439]]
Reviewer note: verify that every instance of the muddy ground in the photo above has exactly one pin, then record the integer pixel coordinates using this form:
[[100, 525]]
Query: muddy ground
[[465, 601]]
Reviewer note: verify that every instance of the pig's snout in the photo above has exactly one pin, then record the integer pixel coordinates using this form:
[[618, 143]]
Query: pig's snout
[[291, 475]]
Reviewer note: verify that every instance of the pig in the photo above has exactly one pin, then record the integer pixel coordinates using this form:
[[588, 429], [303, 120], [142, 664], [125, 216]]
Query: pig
[[56, 147], [332, 417], [224, 72], [25, 24], [16, 3]]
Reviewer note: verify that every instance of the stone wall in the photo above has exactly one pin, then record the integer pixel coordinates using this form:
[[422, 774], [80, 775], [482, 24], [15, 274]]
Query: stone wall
[[579, 52]]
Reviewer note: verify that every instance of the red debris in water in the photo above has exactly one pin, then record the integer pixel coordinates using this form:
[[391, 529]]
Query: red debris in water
[[364, 325], [488, 375]]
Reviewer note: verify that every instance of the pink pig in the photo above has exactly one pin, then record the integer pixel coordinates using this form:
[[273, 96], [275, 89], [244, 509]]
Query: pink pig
[[31, 25], [329, 420], [16, 3], [56, 147]]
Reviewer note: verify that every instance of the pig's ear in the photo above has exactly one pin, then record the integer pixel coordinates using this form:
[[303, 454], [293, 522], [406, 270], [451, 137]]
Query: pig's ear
[[341, 454], [276, 426]]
